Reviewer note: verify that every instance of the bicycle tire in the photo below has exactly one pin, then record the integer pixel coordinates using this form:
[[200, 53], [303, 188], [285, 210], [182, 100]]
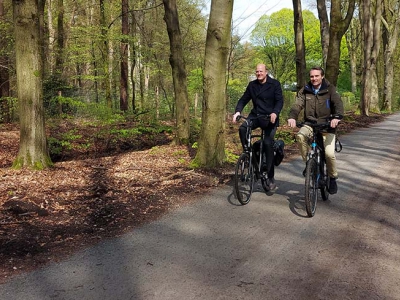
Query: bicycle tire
[[311, 187], [325, 184], [244, 179]]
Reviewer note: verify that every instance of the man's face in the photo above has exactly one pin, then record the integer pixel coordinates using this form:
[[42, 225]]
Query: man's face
[[316, 78], [261, 73]]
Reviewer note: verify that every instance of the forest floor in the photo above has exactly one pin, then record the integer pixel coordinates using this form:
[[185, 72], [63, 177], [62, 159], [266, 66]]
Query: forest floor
[[101, 191]]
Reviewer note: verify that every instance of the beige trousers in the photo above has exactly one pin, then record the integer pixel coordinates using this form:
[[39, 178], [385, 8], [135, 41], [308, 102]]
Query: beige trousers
[[302, 137]]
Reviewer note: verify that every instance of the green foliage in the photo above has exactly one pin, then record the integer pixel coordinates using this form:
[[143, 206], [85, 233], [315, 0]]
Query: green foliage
[[349, 101], [288, 100], [235, 91], [195, 128], [286, 136], [65, 142], [274, 36], [195, 81], [230, 157], [57, 97]]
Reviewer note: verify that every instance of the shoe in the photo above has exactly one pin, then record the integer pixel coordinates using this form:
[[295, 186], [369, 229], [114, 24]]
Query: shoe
[[271, 184], [332, 186]]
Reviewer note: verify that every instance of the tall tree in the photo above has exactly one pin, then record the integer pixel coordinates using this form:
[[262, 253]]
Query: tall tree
[[211, 150], [123, 90], [371, 20], [300, 45], [179, 77], [105, 53], [391, 22], [337, 28], [60, 37], [324, 29], [4, 74], [353, 41], [28, 20]]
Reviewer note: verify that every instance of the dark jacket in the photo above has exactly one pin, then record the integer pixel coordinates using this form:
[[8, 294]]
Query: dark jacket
[[320, 106], [267, 98]]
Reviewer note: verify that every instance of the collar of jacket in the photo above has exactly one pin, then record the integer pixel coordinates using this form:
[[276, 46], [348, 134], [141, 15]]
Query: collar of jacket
[[324, 86]]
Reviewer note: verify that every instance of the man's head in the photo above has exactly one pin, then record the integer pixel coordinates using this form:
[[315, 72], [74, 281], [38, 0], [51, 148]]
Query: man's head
[[261, 73], [316, 76]]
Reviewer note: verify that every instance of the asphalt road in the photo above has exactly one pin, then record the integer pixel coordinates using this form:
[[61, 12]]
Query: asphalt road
[[268, 249]]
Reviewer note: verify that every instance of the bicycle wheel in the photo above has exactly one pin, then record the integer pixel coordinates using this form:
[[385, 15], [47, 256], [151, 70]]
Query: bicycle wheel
[[311, 187], [325, 184], [244, 179]]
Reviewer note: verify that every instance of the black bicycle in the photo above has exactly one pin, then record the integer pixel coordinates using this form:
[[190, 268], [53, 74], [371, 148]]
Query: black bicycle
[[316, 175], [249, 165]]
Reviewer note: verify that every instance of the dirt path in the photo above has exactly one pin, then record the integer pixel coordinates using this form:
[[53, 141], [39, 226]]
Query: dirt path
[[268, 249]]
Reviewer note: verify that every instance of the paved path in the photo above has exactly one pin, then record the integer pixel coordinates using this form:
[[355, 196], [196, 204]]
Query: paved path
[[268, 249]]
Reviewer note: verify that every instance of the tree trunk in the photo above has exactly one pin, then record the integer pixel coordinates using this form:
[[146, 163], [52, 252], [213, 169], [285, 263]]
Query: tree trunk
[[123, 96], [338, 27], [300, 45], [60, 38], [5, 116], [29, 67], [177, 63], [105, 55], [352, 40], [390, 34], [324, 29], [371, 33], [212, 135]]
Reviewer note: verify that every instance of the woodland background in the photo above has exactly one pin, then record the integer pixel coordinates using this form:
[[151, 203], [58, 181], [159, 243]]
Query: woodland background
[[114, 112]]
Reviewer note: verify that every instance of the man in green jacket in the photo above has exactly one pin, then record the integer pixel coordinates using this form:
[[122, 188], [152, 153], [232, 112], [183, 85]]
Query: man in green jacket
[[319, 100]]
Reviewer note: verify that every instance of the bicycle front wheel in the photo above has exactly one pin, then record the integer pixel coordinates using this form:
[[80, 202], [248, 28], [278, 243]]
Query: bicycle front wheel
[[244, 179], [311, 187]]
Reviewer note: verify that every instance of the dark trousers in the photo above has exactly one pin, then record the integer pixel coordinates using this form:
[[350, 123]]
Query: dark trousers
[[268, 145]]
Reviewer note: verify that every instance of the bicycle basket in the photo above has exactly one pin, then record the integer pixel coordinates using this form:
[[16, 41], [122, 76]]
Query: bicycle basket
[[279, 152]]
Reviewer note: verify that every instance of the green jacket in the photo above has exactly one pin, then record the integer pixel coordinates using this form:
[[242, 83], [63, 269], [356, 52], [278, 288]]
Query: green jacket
[[318, 106]]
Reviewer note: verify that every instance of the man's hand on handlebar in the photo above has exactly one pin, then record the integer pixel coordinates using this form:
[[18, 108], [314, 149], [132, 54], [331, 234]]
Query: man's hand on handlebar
[[292, 123], [273, 117], [235, 116], [334, 123]]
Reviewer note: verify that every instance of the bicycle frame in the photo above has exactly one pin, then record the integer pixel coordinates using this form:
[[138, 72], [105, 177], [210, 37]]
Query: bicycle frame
[[249, 138]]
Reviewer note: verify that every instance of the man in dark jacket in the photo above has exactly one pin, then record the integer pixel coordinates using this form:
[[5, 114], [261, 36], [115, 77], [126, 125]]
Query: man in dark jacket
[[266, 95], [319, 100]]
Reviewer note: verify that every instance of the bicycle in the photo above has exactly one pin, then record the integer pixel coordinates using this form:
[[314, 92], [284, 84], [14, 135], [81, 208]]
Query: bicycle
[[316, 175], [249, 165]]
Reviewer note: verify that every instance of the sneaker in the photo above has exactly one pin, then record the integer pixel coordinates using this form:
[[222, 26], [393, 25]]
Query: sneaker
[[332, 186], [271, 184]]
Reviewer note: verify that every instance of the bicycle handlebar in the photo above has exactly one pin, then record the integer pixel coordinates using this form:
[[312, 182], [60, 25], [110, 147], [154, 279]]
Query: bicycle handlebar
[[266, 117], [313, 122]]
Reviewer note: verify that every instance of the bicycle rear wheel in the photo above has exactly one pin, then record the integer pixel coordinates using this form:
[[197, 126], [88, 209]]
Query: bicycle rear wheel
[[244, 179], [311, 187], [325, 184]]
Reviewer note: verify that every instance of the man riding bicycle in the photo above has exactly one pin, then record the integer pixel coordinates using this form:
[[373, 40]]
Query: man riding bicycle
[[320, 101], [266, 95]]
